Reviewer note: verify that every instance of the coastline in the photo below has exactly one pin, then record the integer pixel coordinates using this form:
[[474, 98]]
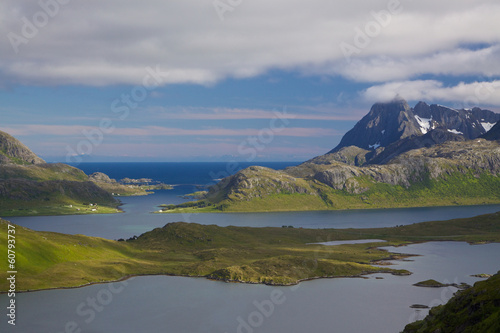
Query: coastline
[[393, 257]]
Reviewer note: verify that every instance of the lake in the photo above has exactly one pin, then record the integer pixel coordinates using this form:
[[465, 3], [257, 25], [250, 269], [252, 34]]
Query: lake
[[179, 304]]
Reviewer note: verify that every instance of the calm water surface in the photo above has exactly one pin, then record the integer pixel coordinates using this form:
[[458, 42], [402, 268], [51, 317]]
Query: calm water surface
[[178, 304], [138, 218]]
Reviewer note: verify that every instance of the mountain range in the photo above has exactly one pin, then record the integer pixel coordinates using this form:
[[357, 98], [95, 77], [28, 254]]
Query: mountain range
[[387, 123], [395, 156]]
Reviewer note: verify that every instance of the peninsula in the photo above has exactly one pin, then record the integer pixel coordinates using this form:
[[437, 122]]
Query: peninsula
[[277, 256]]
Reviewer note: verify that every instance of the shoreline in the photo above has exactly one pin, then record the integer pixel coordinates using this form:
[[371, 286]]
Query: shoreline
[[212, 211], [400, 257]]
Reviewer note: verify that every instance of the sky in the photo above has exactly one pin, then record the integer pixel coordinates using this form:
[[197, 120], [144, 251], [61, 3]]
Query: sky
[[223, 80]]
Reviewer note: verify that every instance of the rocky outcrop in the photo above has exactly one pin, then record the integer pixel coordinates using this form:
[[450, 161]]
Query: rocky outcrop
[[12, 151], [351, 155], [100, 177], [475, 157], [257, 182], [437, 136]]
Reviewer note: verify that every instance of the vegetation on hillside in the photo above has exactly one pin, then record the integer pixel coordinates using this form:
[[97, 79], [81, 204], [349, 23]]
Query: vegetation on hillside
[[476, 309], [255, 255]]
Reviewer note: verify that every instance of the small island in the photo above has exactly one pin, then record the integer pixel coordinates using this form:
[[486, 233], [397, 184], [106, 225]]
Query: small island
[[473, 310], [435, 284]]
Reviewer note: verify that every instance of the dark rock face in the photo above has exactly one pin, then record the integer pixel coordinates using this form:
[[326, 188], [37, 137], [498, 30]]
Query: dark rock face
[[434, 137], [387, 123], [475, 156], [493, 133], [13, 151], [469, 123], [383, 125]]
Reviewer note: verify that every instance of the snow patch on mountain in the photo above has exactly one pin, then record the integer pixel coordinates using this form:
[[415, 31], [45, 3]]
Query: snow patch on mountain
[[424, 123], [487, 126]]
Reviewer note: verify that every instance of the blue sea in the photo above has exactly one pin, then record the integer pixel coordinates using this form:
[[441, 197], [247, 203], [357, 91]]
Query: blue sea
[[176, 173]]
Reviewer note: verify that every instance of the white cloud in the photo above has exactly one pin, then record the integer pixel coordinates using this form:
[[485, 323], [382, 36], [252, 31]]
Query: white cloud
[[456, 62], [111, 42], [463, 94]]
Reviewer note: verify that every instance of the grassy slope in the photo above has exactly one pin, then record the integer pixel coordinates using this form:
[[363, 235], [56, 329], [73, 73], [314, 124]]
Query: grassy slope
[[449, 190], [474, 310], [50, 189], [258, 255]]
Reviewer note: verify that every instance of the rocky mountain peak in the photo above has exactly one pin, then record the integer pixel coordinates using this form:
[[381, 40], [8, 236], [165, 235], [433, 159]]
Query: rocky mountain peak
[[387, 123], [12, 151], [384, 124]]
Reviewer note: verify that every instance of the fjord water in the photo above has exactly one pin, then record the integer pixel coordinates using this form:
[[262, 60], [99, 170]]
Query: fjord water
[[180, 304], [189, 177]]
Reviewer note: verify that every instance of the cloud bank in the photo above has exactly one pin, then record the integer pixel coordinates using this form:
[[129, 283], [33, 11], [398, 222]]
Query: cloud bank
[[99, 43]]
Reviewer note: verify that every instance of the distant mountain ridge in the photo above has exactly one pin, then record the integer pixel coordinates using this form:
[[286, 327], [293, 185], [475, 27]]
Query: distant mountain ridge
[[387, 123]]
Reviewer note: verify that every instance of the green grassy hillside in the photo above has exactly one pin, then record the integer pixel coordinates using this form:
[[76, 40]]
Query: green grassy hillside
[[473, 310], [256, 255]]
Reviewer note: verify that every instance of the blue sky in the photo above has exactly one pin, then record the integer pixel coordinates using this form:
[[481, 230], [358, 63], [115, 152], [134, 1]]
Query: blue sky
[[240, 80]]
